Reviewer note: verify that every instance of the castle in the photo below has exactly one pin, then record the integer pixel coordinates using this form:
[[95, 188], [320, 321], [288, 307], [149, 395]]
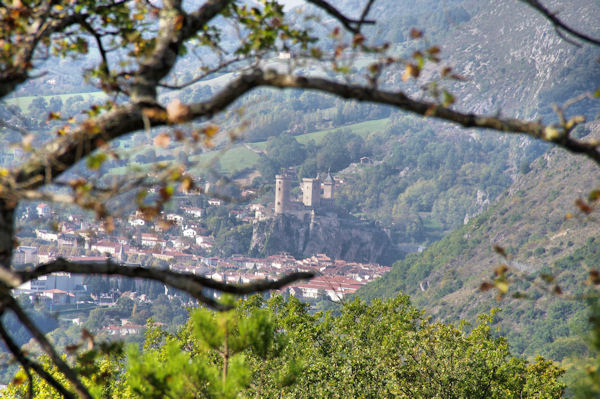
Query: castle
[[316, 195]]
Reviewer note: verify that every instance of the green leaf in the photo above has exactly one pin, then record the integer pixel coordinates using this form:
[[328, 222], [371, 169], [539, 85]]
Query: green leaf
[[95, 161], [501, 286], [448, 99]]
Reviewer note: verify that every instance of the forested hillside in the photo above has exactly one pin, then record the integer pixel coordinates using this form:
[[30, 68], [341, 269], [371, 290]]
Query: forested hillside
[[532, 222], [428, 178]]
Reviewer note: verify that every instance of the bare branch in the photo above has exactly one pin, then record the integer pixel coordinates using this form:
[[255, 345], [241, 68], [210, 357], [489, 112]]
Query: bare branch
[[198, 19], [400, 100], [9, 278], [566, 38], [364, 14], [4, 124], [188, 282], [577, 99], [202, 76], [104, 66], [63, 152], [27, 364], [71, 375], [168, 45], [351, 25], [29, 383], [559, 25]]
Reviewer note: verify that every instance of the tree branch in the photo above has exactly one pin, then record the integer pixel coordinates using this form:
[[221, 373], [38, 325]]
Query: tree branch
[[351, 25], [104, 66], [188, 282], [64, 151], [175, 28], [364, 14], [202, 76], [18, 73], [70, 375], [400, 100], [27, 364], [559, 24], [41, 26], [198, 19]]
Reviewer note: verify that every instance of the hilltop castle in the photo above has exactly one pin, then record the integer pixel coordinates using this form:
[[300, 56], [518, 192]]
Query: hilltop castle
[[316, 195], [310, 223]]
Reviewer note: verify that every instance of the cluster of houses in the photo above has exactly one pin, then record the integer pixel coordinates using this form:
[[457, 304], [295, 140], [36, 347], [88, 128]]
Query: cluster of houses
[[335, 278], [334, 281], [178, 237], [177, 241]]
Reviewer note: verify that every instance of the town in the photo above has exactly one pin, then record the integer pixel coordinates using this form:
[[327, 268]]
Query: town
[[177, 240]]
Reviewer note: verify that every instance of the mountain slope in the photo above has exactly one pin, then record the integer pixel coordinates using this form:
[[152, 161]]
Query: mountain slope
[[528, 220]]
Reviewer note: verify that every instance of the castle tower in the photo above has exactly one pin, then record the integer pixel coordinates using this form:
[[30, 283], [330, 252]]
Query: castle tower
[[311, 192], [282, 193], [328, 187]]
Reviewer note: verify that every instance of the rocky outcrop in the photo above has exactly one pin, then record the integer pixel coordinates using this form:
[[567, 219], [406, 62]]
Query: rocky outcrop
[[338, 237]]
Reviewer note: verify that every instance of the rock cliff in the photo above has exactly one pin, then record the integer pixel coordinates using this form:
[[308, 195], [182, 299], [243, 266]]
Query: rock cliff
[[339, 237]]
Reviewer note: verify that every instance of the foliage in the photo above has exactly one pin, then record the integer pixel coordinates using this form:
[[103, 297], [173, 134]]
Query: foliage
[[422, 186], [333, 153], [278, 349], [100, 368], [532, 214]]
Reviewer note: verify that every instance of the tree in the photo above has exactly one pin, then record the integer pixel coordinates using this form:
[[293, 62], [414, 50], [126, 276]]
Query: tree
[[277, 349], [135, 46], [38, 106], [285, 151]]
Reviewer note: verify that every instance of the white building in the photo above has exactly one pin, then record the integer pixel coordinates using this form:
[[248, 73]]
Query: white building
[[193, 211], [46, 235], [150, 240], [189, 233], [43, 210], [173, 217], [205, 242], [24, 254], [60, 281], [129, 329], [137, 222]]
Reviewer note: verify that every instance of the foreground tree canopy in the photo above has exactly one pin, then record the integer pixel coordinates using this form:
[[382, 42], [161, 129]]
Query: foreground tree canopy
[[278, 349], [134, 46]]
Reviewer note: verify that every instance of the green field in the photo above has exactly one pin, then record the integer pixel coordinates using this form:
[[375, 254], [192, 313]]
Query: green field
[[23, 102], [239, 157], [231, 160], [363, 129]]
